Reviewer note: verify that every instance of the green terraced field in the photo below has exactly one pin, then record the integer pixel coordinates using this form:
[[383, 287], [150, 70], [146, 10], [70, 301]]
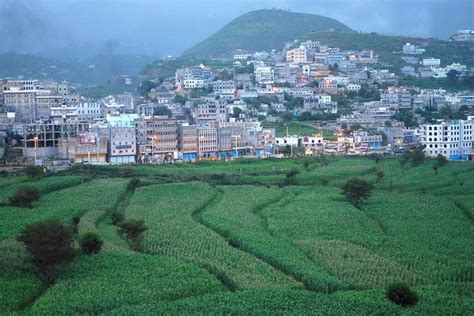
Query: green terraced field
[[236, 238]]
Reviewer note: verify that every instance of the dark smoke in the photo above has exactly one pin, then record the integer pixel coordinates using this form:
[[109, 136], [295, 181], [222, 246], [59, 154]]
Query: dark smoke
[[22, 28]]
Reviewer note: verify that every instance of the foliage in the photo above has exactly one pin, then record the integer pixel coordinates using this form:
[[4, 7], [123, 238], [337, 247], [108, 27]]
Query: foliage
[[24, 196], [90, 243], [116, 217], [133, 229], [162, 111], [50, 244], [441, 160], [357, 190], [33, 172], [401, 294], [405, 116], [181, 99]]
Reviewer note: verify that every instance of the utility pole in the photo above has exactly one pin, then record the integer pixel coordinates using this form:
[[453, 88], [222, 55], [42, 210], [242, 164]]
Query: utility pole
[[36, 147]]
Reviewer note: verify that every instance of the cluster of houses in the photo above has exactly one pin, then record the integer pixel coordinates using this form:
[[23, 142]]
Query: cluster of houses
[[426, 67], [218, 114]]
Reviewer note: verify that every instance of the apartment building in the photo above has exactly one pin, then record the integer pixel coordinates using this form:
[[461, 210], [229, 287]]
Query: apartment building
[[296, 55], [264, 75], [223, 87], [452, 139], [122, 138], [207, 142], [157, 139]]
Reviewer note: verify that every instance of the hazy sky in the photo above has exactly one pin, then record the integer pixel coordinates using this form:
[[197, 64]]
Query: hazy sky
[[161, 27]]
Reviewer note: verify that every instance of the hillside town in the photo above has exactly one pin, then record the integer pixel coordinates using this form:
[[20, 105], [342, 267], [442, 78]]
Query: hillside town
[[306, 99]]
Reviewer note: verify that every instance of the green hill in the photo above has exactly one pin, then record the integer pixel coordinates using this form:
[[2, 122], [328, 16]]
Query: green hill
[[262, 30]]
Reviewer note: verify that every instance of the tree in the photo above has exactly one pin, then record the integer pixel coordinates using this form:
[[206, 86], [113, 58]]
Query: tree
[[146, 87], [181, 99], [24, 196], [404, 159], [133, 184], [90, 243], [453, 75], [133, 230], [417, 157], [33, 172], [357, 190], [441, 161], [50, 244], [401, 294], [291, 176], [162, 111], [236, 112], [405, 116], [380, 175]]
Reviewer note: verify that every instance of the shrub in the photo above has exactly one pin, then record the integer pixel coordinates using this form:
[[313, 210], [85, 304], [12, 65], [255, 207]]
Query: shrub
[[33, 172], [357, 190], [401, 294], [75, 222], [116, 218], [24, 196], [324, 181], [90, 243], [50, 243], [417, 157], [290, 176], [133, 184], [441, 161], [133, 230], [380, 175]]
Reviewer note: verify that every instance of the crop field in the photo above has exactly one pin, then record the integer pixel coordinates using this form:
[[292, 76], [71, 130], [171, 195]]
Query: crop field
[[248, 237]]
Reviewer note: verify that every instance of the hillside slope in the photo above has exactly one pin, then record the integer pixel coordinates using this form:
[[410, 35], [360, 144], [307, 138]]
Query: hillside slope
[[389, 47], [262, 30], [105, 67]]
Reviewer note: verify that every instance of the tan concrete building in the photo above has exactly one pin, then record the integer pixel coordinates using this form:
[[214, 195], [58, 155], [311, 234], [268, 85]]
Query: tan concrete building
[[157, 139]]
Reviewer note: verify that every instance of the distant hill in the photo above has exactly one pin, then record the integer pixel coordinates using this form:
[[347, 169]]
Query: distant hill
[[91, 71], [262, 30]]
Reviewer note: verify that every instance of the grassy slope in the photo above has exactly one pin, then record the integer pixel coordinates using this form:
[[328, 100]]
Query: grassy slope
[[262, 30], [405, 234]]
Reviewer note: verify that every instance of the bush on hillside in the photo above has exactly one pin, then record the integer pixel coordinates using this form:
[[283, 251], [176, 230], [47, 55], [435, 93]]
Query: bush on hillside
[[90, 243], [401, 294], [33, 172], [24, 197]]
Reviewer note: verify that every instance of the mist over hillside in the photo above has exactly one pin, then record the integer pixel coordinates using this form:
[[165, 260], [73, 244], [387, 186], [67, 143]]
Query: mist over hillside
[[79, 29]]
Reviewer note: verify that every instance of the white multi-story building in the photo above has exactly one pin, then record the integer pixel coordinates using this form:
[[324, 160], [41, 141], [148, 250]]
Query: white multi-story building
[[296, 56], [412, 49], [195, 83], [431, 62], [89, 110], [452, 139], [242, 56], [223, 87], [353, 87], [264, 75]]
